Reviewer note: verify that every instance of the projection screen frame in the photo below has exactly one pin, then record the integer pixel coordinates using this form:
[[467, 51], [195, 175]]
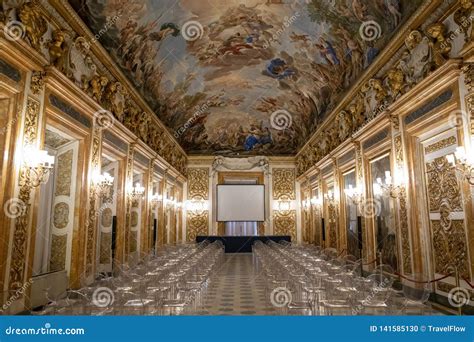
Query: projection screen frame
[[264, 204]]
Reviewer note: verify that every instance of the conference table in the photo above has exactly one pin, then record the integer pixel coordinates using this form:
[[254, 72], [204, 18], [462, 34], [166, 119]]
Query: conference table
[[242, 244]]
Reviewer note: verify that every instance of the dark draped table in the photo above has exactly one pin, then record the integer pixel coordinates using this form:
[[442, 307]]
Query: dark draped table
[[242, 244]]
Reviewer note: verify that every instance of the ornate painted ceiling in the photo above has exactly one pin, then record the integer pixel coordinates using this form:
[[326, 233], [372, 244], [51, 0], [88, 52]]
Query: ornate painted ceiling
[[243, 76]]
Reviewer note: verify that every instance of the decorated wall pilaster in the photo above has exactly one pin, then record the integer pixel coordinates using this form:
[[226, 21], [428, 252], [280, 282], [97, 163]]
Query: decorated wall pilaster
[[93, 203], [283, 194], [197, 214]]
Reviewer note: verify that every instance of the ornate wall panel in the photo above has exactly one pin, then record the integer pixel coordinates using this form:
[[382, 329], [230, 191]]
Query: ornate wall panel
[[284, 188], [403, 211], [284, 183], [446, 214], [63, 185], [91, 225], [197, 222], [20, 233], [285, 224], [57, 260]]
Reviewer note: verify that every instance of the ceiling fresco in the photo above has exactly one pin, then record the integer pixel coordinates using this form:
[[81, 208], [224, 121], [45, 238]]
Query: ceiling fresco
[[242, 77]]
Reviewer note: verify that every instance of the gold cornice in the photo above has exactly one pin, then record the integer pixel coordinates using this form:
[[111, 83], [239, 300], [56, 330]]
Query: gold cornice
[[61, 86], [421, 14], [73, 19], [438, 81], [20, 54], [434, 83]]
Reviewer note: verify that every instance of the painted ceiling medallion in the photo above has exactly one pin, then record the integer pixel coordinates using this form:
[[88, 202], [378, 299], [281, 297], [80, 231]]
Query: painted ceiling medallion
[[247, 77]]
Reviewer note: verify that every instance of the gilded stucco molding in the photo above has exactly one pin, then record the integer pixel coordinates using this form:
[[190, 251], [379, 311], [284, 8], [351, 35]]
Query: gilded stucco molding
[[197, 220], [20, 234]]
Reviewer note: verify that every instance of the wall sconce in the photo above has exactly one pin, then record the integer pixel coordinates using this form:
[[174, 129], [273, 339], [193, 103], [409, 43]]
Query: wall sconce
[[197, 206], [387, 185], [284, 205], [39, 164], [102, 184], [464, 164], [316, 202], [354, 194], [330, 197], [136, 193], [156, 200], [169, 203]]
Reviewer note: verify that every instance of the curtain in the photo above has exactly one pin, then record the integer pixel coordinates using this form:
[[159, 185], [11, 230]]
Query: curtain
[[241, 229]]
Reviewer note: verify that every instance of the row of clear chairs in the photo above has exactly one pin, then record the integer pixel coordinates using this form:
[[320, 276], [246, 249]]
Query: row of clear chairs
[[172, 282], [306, 280]]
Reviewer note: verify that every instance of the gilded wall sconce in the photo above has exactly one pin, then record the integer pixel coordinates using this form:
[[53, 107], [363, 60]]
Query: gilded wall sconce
[[354, 194], [102, 185], [156, 199], [317, 202], [464, 164], [388, 186], [330, 197], [38, 165], [136, 193]]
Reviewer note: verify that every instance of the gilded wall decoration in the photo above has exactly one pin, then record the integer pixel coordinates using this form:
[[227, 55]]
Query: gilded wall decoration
[[285, 224], [61, 215], [106, 218], [448, 234], [332, 226], [439, 145], [133, 242], [63, 176], [284, 183], [198, 190], [403, 210], [443, 185], [37, 82], [404, 232], [450, 247], [128, 202], [197, 224], [58, 253], [20, 233], [91, 223], [105, 248]]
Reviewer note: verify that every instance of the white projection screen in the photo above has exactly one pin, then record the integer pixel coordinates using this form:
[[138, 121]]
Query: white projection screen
[[240, 202]]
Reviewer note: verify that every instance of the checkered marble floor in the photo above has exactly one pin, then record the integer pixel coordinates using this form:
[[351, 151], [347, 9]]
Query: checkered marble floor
[[237, 289]]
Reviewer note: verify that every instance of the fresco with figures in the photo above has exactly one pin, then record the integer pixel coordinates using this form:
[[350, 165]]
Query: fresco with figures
[[243, 77]]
